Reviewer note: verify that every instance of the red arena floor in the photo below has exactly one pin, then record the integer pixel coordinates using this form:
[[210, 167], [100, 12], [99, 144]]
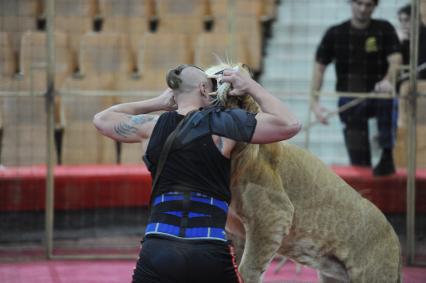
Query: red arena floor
[[109, 271], [86, 187]]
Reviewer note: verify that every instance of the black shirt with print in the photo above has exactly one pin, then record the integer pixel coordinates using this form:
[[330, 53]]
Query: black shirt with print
[[360, 55]]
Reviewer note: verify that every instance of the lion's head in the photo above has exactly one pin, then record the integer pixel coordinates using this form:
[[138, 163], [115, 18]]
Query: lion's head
[[245, 102], [244, 154]]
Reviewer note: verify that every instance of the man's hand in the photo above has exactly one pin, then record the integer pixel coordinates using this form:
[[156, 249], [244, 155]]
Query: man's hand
[[384, 86], [320, 113], [275, 122], [168, 100], [241, 82]]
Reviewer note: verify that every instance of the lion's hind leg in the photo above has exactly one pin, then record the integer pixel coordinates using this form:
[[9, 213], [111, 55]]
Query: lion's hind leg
[[268, 215], [332, 270], [378, 259]]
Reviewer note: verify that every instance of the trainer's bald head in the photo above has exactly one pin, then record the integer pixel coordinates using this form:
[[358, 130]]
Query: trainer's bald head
[[192, 78], [186, 78]]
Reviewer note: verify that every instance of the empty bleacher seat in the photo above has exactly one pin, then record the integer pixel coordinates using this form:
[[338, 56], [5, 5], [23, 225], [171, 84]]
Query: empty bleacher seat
[[220, 9], [228, 47], [158, 53], [250, 29], [8, 64], [75, 18], [400, 150], [17, 17], [24, 131], [126, 16], [102, 58], [19, 8], [270, 9], [421, 103], [33, 62], [245, 17], [81, 143], [184, 16]]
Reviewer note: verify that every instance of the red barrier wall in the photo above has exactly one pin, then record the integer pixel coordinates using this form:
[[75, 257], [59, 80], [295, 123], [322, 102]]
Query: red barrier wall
[[100, 186]]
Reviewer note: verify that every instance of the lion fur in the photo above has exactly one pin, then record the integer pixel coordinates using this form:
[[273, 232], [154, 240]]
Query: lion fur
[[286, 201]]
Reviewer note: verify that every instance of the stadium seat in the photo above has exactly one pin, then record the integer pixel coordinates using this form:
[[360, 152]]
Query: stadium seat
[[24, 131], [270, 10], [102, 58], [400, 152], [250, 29], [211, 46], [126, 16], [17, 17], [220, 9], [8, 64], [81, 143], [75, 18], [33, 62], [184, 16], [19, 7], [158, 53], [247, 18], [421, 103]]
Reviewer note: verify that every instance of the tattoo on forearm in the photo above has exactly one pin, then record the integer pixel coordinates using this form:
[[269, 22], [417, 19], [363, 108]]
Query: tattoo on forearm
[[124, 129], [141, 119], [129, 127]]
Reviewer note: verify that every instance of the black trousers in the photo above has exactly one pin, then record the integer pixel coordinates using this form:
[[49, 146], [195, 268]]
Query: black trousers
[[171, 260], [356, 130]]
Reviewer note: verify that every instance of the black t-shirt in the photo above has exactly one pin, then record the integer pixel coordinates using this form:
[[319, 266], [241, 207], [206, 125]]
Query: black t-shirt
[[198, 165], [360, 55]]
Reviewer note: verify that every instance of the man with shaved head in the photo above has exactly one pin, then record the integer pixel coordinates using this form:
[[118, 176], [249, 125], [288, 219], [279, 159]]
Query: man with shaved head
[[188, 154]]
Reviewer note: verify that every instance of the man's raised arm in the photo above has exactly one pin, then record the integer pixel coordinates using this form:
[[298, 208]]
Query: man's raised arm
[[130, 122], [275, 122]]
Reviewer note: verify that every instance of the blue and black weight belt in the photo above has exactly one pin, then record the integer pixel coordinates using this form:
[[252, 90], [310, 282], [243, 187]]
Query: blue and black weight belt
[[188, 215]]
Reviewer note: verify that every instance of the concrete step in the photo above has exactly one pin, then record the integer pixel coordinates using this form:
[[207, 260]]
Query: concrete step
[[308, 41], [292, 86], [293, 48], [302, 30], [332, 10], [331, 152]]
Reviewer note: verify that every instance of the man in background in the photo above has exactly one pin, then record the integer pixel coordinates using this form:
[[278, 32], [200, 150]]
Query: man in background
[[365, 52], [404, 17]]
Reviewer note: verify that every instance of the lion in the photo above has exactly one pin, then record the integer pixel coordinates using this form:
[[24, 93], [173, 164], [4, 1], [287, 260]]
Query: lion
[[286, 201]]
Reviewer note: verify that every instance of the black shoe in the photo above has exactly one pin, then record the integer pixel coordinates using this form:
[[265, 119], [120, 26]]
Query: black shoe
[[386, 166]]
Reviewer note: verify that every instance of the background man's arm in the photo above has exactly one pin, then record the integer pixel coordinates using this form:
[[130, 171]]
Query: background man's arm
[[317, 81], [389, 80]]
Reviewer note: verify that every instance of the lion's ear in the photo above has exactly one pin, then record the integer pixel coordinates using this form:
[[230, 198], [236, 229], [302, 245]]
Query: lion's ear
[[247, 68]]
